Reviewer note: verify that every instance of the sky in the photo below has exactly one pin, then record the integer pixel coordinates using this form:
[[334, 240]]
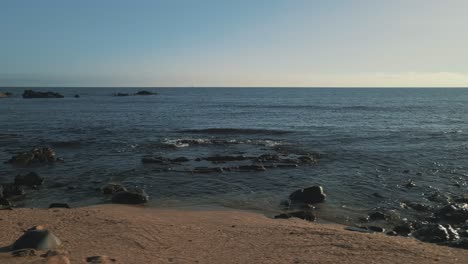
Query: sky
[[242, 43]]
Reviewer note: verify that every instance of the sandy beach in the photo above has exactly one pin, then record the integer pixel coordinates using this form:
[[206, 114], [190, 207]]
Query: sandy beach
[[145, 235]]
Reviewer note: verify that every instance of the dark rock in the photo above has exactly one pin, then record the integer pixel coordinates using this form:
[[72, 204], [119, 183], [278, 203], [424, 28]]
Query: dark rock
[[410, 184], [31, 179], [24, 253], [11, 189], [225, 158], [59, 205], [463, 232], [121, 94], [36, 239], [406, 171], [461, 243], [358, 229], [77, 96], [462, 198], [180, 159], [112, 188], [434, 233], [252, 168], [307, 159], [305, 215], [403, 229], [377, 229], [287, 165], [375, 216], [4, 204], [309, 195], [378, 195], [415, 206], [145, 93], [391, 233], [36, 155], [156, 160], [135, 196], [206, 170], [453, 213], [100, 259], [33, 94], [438, 197]]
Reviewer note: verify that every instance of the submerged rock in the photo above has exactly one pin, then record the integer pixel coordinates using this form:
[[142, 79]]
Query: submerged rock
[[37, 239], [11, 189], [34, 156], [156, 160], [311, 195], [180, 159], [134, 196], [375, 216], [305, 215], [31, 179], [121, 94], [145, 93], [410, 184], [34, 94], [77, 96], [112, 188]]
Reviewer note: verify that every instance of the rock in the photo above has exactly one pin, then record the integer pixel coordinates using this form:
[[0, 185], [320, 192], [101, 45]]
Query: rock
[[461, 243], [378, 195], [100, 259], [307, 159], [56, 252], [305, 215], [415, 206], [59, 205], [11, 189], [135, 196], [24, 253], [251, 168], [358, 229], [462, 198], [156, 160], [375, 216], [391, 233], [37, 239], [309, 195], [5, 95], [145, 93], [36, 155], [220, 159], [77, 96], [31, 179], [403, 229], [112, 188], [268, 157], [34, 94], [180, 159], [4, 204], [377, 229], [121, 94], [435, 233], [206, 170], [287, 165], [410, 184], [438, 197], [453, 213]]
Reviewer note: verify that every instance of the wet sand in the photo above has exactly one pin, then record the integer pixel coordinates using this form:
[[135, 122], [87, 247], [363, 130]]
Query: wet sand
[[145, 235]]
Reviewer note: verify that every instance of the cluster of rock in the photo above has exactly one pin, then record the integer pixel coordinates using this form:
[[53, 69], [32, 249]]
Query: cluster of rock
[[305, 198], [38, 155], [9, 190], [34, 94], [257, 163], [138, 93], [121, 195], [38, 238]]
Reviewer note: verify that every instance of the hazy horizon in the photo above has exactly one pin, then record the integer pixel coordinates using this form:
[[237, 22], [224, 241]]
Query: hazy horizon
[[208, 43]]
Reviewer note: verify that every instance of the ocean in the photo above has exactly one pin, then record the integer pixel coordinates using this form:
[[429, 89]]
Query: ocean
[[371, 142]]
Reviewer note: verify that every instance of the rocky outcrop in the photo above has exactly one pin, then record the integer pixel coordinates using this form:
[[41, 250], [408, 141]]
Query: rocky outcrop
[[33, 94], [112, 188], [436, 233], [31, 179], [34, 156], [145, 93], [134, 196], [453, 213], [309, 195]]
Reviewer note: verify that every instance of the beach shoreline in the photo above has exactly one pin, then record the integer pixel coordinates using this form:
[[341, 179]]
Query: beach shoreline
[[134, 234]]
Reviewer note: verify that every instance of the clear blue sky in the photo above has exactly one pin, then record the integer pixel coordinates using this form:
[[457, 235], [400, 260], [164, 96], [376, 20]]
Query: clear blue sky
[[233, 43]]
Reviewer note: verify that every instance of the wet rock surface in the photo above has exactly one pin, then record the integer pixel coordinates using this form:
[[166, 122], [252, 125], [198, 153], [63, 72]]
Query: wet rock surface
[[39, 155], [112, 188], [308, 195], [132, 196], [34, 94]]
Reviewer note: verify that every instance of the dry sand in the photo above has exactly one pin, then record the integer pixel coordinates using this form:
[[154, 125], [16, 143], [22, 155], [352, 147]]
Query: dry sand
[[143, 235]]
